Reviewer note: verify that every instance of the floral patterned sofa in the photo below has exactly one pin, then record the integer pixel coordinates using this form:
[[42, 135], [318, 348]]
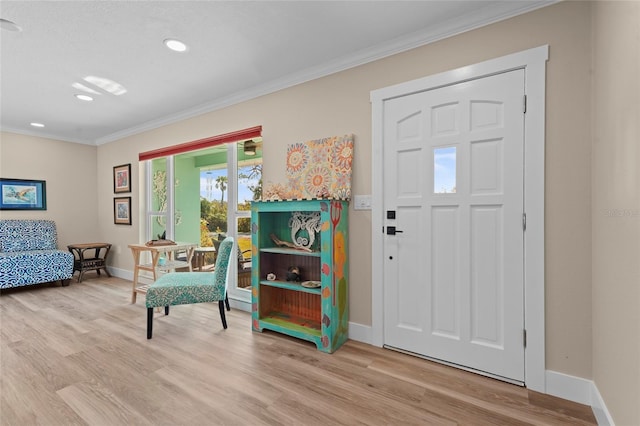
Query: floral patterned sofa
[[29, 254]]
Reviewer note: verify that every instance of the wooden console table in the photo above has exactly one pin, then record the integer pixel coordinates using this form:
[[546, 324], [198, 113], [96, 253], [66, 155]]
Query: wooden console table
[[199, 255], [171, 262], [82, 263]]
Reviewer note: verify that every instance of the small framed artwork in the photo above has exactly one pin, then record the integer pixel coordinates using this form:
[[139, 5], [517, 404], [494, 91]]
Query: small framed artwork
[[122, 210], [22, 194], [122, 178]]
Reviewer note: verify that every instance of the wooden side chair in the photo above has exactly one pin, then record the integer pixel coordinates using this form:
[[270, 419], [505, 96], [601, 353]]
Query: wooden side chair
[[182, 288]]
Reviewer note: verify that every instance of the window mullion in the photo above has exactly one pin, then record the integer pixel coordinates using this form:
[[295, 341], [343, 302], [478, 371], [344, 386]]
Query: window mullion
[[171, 201]]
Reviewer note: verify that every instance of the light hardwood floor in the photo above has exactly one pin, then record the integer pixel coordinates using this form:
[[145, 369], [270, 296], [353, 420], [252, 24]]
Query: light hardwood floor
[[79, 355]]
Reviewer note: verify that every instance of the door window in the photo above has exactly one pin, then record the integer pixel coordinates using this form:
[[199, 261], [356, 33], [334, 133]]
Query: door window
[[444, 170]]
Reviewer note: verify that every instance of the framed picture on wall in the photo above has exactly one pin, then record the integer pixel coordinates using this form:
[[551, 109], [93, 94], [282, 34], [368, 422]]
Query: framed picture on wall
[[122, 178], [122, 210], [22, 194]]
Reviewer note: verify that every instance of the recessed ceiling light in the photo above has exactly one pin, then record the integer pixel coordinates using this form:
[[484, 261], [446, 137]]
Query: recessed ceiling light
[[175, 45], [84, 97], [37, 124], [8, 25]]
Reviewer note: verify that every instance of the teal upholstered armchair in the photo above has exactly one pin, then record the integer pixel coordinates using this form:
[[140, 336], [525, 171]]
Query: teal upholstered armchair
[[182, 288]]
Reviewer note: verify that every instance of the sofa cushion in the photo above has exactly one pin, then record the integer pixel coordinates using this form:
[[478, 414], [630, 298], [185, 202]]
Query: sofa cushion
[[34, 266], [23, 235]]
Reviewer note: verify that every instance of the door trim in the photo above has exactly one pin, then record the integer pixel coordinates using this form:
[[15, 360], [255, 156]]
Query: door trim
[[533, 61]]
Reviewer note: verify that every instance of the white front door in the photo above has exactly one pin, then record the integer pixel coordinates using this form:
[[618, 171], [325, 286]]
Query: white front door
[[453, 285]]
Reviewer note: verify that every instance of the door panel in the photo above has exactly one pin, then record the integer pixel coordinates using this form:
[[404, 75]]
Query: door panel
[[444, 272], [453, 278], [486, 276], [487, 173]]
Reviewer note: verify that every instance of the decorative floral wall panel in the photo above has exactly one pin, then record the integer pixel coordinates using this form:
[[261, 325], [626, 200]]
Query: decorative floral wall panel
[[317, 169]]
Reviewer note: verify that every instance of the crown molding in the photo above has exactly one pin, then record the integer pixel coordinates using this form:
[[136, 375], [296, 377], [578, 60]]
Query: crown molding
[[493, 13], [40, 134]]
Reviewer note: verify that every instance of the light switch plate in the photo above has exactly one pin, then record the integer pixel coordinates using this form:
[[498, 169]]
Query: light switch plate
[[362, 202]]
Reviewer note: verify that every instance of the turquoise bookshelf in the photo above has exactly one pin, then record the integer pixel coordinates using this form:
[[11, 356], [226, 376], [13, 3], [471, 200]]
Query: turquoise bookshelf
[[319, 314]]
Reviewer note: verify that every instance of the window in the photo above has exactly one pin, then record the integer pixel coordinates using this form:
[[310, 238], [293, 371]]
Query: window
[[203, 195]]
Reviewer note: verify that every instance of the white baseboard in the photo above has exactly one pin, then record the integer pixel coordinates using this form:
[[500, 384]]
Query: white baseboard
[[240, 305], [120, 273], [603, 417], [568, 387], [360, 333], [582, 391]]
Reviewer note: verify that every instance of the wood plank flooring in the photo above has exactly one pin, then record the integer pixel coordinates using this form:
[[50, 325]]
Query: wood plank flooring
[[78, 355]]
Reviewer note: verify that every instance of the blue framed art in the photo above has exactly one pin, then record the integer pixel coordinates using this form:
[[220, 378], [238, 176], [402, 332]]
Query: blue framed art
[[22, 194]]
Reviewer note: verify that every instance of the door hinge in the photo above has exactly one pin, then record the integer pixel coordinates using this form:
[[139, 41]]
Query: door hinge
[[524, 104], [524, 221], [524, 338]]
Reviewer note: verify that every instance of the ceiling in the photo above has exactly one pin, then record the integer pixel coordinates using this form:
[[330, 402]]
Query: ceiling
[[237, 50]]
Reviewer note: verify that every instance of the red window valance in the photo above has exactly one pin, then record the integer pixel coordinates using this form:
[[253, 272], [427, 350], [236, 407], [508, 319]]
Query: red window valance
[[252, 132]]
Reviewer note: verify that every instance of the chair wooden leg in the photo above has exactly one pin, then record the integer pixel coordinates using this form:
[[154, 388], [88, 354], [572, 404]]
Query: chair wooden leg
[[166, 310], [149, 322], [226, 302], [222, 316]]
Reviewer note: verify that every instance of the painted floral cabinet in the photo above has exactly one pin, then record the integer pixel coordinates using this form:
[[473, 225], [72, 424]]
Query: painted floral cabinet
[[300, 270]]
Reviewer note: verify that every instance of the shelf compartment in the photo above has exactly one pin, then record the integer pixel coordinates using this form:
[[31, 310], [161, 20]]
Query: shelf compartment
[[277, 223], [303, 326], [300, 306], [278, 264]]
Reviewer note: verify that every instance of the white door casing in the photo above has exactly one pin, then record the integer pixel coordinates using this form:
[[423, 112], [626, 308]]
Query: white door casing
[[532, 62], [453, 275]]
